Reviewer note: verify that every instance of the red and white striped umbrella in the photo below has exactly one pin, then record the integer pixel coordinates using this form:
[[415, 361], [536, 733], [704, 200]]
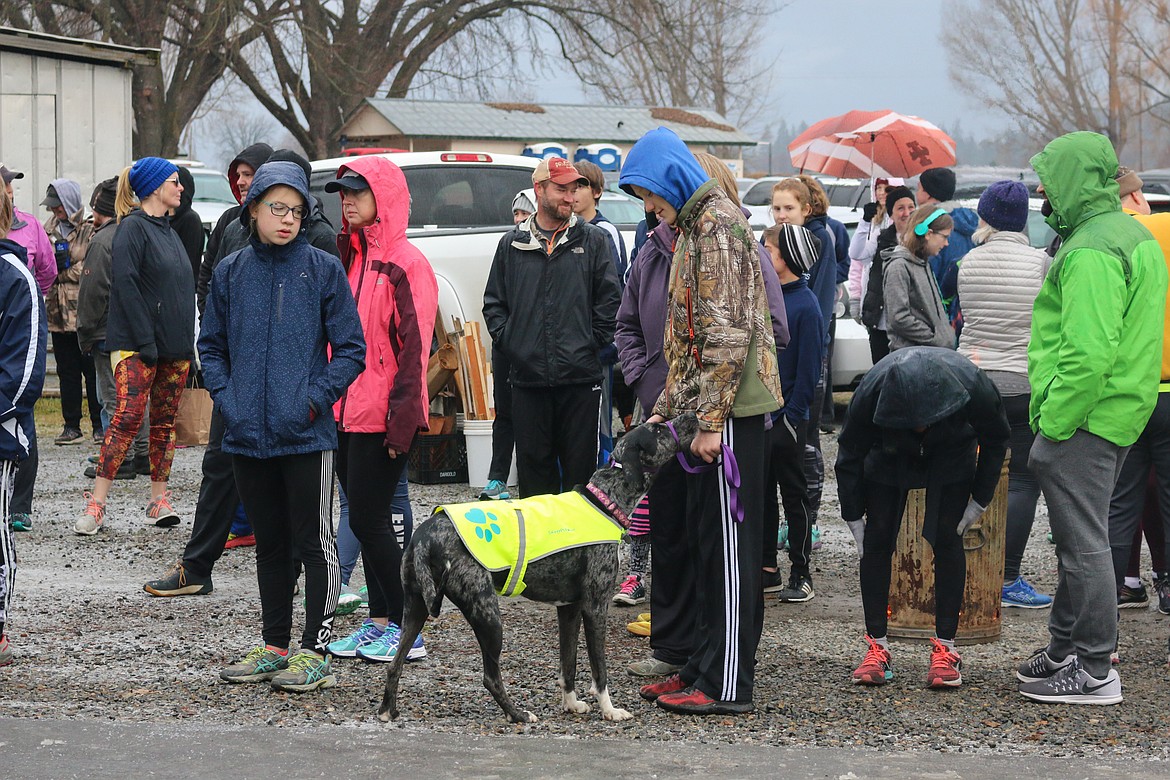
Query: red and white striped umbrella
[[872, 144]]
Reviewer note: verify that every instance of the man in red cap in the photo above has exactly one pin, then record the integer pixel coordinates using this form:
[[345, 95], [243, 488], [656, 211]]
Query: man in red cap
[[550, 304]]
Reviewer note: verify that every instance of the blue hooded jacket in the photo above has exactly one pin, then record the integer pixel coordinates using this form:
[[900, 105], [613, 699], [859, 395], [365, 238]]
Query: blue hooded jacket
[[662, 163], [23, 334], [272, 313]]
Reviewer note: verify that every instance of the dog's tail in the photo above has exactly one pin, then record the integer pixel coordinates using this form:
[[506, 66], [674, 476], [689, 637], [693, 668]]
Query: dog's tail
[[432, 595]]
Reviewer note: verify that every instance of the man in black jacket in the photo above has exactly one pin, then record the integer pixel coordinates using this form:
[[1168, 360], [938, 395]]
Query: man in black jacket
[[550, 303]]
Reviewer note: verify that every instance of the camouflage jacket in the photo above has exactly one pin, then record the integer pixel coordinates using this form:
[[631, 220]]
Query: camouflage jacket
[[61, 300], [719, 347]]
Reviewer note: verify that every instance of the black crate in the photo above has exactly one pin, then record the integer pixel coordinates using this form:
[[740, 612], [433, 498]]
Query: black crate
[[438, 460]]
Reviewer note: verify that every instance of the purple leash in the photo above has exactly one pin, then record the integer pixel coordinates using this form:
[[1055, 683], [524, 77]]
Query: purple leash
[[730, 471]]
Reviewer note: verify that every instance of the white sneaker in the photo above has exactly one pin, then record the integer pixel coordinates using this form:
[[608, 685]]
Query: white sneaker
[[91, 519]]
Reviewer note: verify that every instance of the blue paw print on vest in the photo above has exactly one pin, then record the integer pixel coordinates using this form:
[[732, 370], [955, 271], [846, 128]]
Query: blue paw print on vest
[[485, 524]]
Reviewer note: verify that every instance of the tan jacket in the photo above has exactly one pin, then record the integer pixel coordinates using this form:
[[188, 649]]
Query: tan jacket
[[61, 300]]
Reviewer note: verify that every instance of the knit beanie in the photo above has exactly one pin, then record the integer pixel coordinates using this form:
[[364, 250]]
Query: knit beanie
[[288, 155], [1004, 206], [525, 200], [148, 173], [939, 183], [798, 247], [895, 194], [103, 197]]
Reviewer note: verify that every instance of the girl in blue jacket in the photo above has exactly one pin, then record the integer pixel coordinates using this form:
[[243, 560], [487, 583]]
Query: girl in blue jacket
[[275, 310]]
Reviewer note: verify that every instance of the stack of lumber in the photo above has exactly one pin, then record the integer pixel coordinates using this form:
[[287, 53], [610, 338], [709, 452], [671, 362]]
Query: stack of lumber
[[473, 380]]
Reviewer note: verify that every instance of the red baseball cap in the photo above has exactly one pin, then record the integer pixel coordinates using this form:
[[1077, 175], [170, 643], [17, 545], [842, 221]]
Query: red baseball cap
[[559, 171]]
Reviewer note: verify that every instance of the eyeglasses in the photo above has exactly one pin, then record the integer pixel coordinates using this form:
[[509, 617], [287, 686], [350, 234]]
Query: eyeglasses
[[174, 181], [280, 209]]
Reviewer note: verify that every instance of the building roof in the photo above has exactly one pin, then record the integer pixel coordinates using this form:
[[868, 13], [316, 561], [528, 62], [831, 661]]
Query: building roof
[[548, 121], [79, 49]]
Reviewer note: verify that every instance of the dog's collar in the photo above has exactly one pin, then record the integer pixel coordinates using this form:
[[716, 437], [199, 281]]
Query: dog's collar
[[609, 505]]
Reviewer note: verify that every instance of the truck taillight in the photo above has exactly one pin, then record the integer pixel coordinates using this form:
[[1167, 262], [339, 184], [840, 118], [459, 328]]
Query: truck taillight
[[465, 157]]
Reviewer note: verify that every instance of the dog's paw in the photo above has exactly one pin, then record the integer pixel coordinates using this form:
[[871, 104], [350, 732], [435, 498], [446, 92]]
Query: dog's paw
[[616, 714], [525, 717], [577, 707]]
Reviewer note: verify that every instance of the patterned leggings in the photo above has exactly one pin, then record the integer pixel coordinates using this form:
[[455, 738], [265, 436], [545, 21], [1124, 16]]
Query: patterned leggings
[[136, 383]]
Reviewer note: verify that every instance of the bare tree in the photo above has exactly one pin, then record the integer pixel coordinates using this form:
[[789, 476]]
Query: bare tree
[[314, 62], [194, 35], [1051, 65], [700, 53]]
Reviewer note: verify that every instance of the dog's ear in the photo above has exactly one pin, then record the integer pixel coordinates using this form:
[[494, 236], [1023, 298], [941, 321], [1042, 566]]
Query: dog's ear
[[630, 453]]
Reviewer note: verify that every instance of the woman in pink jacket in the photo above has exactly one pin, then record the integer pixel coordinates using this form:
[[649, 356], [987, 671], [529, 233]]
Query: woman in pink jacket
[[386, 406]]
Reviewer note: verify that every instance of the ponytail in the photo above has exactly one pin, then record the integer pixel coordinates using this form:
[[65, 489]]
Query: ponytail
[[124, 200], [5, 212]]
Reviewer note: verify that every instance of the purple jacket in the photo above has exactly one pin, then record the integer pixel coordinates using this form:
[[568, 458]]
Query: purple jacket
[[641, 317], [27, 232]]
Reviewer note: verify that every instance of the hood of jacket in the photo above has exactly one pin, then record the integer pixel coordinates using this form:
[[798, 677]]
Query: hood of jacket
[[1077, 172], [270, 175], [662, 163], [902, 253], [920, 388], [254, 156], [966, 221], [188, 194], [391, 195], [663, 239], [69, 193]]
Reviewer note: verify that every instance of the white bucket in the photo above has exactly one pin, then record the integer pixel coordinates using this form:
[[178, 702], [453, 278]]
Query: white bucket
[[478, 434]]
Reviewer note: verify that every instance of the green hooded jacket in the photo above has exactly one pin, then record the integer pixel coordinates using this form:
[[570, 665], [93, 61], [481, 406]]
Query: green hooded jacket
[[1094, 360]]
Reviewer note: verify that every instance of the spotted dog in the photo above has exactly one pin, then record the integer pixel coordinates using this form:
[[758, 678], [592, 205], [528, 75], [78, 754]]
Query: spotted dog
[[578, 580]]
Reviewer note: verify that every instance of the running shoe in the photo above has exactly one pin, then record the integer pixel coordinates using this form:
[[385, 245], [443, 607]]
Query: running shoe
[[1132, 598], [306, 671], [92, 518], [347, 647], [20, 521], [632, 592], [692, 701], [1021, 594], [125, 471], [5, 651], [1073, 685], [259, 665], [652, 667], [672, 684], [1041, 666], [782, 537], [1161, 587], [816, 537], [875, 668], [239, 540], [70, 436], [364, 592], [349, 601], [495, 490], [946, 667], [160, 513], [799, 590], [179, 582], [384, 648], [772, 581]]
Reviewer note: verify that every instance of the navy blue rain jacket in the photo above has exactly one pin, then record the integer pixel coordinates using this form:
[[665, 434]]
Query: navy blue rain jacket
[[272, 312], [23, 334]]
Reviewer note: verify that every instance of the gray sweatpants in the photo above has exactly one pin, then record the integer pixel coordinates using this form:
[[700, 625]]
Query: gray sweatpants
[[1077, 477]]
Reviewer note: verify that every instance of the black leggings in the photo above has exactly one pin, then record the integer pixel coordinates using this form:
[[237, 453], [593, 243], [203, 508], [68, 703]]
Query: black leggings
[[369, 477], [289, 501], [884, 506]]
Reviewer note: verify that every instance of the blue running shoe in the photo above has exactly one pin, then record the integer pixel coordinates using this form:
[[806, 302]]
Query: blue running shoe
[[367, 632], [385, 647], [1020, 593], [816, 537], [782, 537], [495, 490]]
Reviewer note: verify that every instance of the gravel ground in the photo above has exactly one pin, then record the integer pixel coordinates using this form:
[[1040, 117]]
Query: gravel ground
[[91, 644]]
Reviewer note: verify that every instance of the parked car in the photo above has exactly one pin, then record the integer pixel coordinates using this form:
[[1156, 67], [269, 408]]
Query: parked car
[[622, 210]]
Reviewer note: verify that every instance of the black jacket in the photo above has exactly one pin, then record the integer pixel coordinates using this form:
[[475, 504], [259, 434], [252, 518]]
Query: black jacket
[[551, 314], [152, 294], [965, 437], [873, 304], [187, 223], [93, 297]]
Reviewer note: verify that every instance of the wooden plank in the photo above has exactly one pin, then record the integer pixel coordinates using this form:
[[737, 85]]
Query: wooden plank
[[440, 368], [479, 401]]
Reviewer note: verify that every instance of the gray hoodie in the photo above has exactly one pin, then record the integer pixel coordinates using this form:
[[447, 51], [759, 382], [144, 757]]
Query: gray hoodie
[[915, 313]]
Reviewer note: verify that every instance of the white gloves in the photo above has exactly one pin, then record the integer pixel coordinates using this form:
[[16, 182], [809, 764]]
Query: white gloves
[[970, 515], [857, 528]]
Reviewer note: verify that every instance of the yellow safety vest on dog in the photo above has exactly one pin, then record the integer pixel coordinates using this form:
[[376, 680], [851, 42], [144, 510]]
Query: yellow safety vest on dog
[[508, 535]]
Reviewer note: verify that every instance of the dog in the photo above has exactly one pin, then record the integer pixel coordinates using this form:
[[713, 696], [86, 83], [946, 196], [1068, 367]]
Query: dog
[[579, 581]]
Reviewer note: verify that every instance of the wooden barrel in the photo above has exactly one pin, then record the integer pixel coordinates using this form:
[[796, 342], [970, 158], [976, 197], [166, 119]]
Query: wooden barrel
[[911, 610]]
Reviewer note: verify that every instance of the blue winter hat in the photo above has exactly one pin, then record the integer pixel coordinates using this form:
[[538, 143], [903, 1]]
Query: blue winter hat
[[1004, 206], [148, 173]]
